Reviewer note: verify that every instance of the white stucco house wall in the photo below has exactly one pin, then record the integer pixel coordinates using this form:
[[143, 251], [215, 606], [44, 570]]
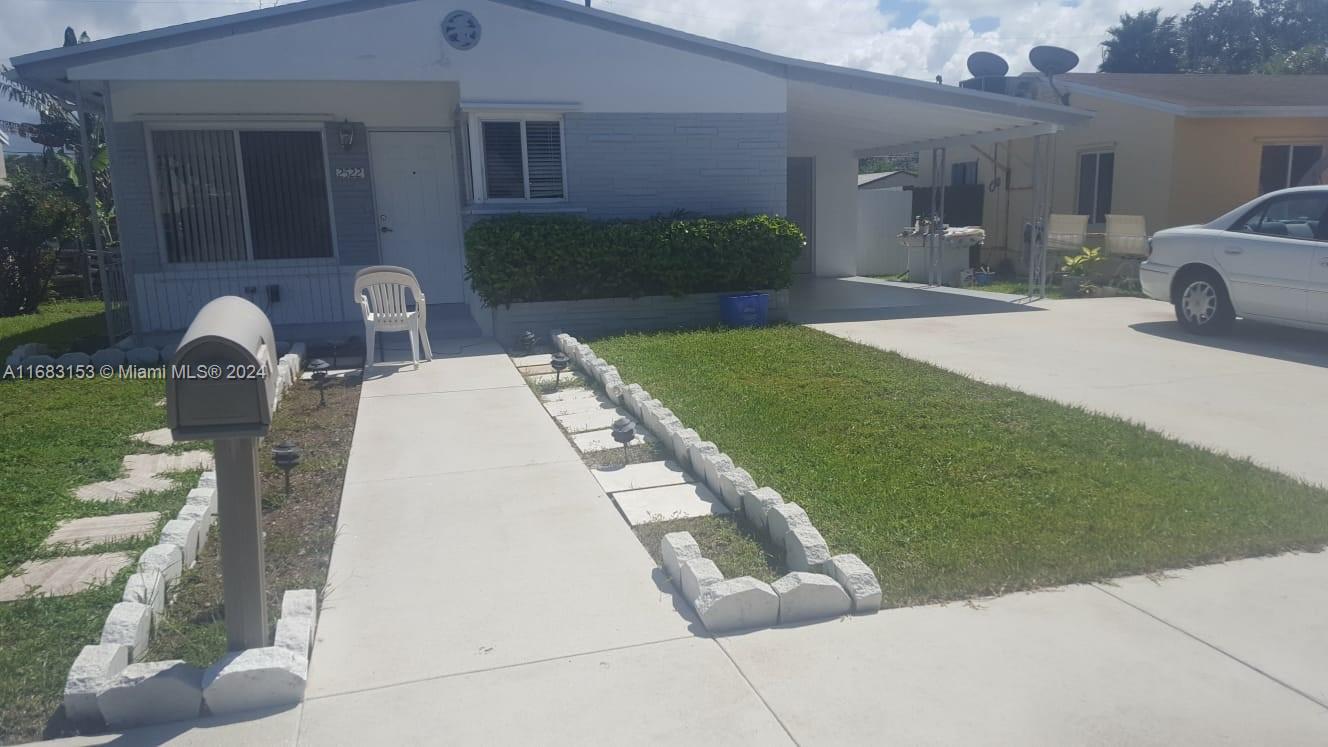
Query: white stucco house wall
[[272, 153]]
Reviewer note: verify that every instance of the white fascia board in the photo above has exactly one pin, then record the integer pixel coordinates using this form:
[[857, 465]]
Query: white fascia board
[[959, 141], [1124, 98], [477, 107]]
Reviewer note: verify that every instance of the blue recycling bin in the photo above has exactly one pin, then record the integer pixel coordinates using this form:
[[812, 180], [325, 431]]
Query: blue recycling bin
[[744, 309]]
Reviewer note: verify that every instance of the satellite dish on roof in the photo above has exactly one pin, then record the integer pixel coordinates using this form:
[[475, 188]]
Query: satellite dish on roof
[[987, 65], [1052, 61]]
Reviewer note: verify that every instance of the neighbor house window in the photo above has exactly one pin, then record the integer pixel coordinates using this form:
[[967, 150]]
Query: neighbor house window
[[1284, 166], [1096, 171], [231, 195], [964, 174], [522, 159]]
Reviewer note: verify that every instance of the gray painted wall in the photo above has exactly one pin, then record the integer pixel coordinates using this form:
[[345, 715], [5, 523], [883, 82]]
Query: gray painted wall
[[353, 214], [638, 165], [132, 186]]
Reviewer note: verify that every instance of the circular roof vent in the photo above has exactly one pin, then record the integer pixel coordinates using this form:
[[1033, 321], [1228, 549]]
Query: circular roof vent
[[461, 30]]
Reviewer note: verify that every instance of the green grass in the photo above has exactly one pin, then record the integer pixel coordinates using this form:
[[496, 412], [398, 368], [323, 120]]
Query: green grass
[[61, 325], [735, 549], [949, 488], [56, 436]]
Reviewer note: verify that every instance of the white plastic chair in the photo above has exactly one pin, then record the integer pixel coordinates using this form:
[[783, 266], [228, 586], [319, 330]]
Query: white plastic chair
[[1127, 236], [381, 293]]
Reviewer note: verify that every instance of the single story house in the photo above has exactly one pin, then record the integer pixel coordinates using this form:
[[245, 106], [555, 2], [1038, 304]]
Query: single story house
[[1175, 149], [272, 153]]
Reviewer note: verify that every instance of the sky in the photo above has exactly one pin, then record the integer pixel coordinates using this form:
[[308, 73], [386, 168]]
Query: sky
[[914, 38]]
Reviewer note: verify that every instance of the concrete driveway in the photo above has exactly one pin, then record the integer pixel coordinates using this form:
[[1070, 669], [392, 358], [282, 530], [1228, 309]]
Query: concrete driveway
[[1258, 393]]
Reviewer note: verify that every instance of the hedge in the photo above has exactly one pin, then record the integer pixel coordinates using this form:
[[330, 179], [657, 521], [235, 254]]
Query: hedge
[[519, 258]]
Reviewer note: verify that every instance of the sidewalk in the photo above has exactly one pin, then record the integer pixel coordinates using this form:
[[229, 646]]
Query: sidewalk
[[483, 590]]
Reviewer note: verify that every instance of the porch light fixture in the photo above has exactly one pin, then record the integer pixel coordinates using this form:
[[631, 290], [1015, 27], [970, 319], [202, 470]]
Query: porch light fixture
[[318, 368], [559, 363], [347, 134], [624, 432], [286, 456]]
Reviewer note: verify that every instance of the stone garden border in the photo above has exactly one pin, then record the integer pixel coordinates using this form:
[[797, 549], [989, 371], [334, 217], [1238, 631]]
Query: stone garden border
[[819, 585], [108, 684]]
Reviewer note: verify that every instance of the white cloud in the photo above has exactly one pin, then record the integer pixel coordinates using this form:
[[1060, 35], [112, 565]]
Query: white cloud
[[856, 33]]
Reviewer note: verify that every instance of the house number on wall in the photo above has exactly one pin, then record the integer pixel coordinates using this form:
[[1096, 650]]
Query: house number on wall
[[355, 173]]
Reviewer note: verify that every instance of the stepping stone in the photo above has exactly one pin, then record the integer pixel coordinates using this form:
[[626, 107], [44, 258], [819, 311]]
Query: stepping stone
[[158, 464], [59, 577], [97, 530], [592, 420], [159, 437], [535, 370], [669, 502], [638, 476], [573, 405], [536, 359], [121, 490], [565, 395], [592, 441], [568, 377]]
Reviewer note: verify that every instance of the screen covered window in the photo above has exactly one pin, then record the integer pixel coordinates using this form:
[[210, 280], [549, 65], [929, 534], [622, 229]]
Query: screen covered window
[[227, 195], [1283, 166]]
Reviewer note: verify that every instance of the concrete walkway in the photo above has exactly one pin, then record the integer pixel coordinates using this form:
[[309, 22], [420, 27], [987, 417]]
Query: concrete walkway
[[483, 590]]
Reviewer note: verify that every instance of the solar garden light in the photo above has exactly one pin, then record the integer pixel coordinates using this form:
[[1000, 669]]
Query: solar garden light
[[318, 368], [286, 456], [624, 433], [559, 362], [527, 341]]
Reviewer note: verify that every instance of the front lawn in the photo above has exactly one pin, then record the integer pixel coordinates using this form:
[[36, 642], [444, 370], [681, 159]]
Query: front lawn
[[949, 488], [60, 325]]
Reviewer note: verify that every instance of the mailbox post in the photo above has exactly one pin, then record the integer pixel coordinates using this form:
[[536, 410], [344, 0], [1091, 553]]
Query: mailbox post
[[221, 386]]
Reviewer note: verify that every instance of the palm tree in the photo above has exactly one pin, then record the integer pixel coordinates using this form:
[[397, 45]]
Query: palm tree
[[1144, 42]]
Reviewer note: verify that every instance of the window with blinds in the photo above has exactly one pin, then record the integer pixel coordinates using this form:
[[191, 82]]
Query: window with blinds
[[228, 195], [523, 159]]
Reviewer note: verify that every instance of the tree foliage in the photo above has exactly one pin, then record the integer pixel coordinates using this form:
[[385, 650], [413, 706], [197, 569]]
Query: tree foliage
[[1222, 36], [35, 216]]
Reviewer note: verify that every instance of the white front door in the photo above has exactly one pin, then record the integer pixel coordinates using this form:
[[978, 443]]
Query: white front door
[[419, 216]]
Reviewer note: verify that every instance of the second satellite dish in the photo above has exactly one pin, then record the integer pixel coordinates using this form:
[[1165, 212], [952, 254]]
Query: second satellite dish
[[1053, 60], [987, 65]]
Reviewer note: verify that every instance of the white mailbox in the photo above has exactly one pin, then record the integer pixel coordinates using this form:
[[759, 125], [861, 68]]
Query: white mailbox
[[222, 381]]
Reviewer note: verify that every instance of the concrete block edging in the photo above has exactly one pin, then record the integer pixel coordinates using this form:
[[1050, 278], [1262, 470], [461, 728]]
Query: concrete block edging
[[818, 587], [110, 683]]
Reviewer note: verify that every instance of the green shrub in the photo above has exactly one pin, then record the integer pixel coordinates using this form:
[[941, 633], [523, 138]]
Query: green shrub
[[34, 218], [520, 258]]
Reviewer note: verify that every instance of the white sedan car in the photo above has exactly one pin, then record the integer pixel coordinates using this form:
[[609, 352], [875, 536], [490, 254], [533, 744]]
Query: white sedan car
[[1265, 260]]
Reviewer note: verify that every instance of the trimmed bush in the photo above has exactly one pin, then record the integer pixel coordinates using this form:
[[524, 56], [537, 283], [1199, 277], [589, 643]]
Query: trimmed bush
[[522, 258], [34, 218]]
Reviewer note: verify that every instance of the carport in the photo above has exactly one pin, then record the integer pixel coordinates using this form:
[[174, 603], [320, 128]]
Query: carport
[[838, 116]]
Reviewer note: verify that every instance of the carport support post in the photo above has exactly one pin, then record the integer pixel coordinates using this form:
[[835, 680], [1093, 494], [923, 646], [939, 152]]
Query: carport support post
[[242, 564]]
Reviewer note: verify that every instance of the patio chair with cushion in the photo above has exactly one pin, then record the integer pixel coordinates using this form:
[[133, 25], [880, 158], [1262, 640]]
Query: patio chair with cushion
[[1067, 233], [1127, 236], [381, 292]]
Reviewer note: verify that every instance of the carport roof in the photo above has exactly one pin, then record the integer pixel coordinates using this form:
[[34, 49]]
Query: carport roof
[[869, 112]]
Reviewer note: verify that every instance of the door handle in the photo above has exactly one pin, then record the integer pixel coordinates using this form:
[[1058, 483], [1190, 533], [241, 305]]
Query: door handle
[[385, 229], [1233, 250], [382, 224]]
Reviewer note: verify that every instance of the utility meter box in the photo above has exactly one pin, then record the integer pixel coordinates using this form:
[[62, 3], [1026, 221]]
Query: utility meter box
[[222, 381]]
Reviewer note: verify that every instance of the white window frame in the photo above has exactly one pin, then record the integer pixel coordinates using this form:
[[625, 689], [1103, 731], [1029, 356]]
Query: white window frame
[[1097, 154], [235, 128], [475, 139]]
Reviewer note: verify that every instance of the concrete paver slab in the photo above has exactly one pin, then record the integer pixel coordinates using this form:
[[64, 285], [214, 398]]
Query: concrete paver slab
[[568, 376], [637, 476], [534, 359], [160, 464], [674, 692], [158, 437], [589, 403], [568, 393], [591, 420], [423, 434], [1267, 612], [669, 502], [517, 564], [96, 530], [58, 577], [592, 441]]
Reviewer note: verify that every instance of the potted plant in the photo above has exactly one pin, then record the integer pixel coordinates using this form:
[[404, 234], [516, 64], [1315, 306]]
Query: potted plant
[[1076, 270]]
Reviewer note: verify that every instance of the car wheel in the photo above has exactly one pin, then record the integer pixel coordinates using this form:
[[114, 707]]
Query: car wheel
[[1202, 304]]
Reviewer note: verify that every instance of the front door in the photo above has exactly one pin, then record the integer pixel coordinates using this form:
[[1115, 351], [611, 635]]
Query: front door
[[419, 217], [802, 209]]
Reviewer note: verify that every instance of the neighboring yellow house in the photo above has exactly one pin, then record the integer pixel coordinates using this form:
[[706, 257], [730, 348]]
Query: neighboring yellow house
[[1176, 149]]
